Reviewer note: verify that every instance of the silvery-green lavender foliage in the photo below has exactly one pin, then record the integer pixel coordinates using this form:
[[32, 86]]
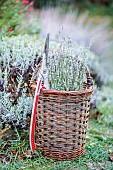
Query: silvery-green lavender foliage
[[18, 57], [67, 66], [15, 114]]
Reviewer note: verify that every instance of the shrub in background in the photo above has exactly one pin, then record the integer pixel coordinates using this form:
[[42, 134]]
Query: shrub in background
[[12, 13]]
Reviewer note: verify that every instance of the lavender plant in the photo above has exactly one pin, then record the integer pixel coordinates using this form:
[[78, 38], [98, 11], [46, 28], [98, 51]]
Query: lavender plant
[[18, 59], [67, 67]]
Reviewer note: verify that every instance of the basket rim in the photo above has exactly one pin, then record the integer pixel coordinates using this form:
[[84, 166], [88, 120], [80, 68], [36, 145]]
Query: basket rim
[[62, 92]]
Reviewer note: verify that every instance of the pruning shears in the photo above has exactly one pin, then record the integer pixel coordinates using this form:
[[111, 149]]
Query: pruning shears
[[43, 77]]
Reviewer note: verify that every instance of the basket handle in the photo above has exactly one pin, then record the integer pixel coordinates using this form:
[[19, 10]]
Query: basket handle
[[89, 83], [89, 79]]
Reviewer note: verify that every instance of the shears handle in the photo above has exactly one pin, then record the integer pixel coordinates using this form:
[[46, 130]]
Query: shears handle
[[33, 116]]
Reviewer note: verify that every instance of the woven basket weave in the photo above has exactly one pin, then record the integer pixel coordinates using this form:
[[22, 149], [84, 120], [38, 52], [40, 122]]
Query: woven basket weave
[[62, 121]]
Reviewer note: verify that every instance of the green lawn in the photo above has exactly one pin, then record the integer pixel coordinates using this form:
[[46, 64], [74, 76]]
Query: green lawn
[[99, 144]]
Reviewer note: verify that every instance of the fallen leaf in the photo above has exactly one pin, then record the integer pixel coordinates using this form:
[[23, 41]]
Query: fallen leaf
[[7, 134], [4, 132], [97, 115], [28, 154], [111, 157], [4, 158]]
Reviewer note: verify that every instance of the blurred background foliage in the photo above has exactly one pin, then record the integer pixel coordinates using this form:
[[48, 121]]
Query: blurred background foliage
[[12, 11], [104, 7]]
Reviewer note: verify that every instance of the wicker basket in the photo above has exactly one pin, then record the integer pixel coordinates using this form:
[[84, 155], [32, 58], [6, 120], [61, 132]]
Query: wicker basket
[[62, 121]]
